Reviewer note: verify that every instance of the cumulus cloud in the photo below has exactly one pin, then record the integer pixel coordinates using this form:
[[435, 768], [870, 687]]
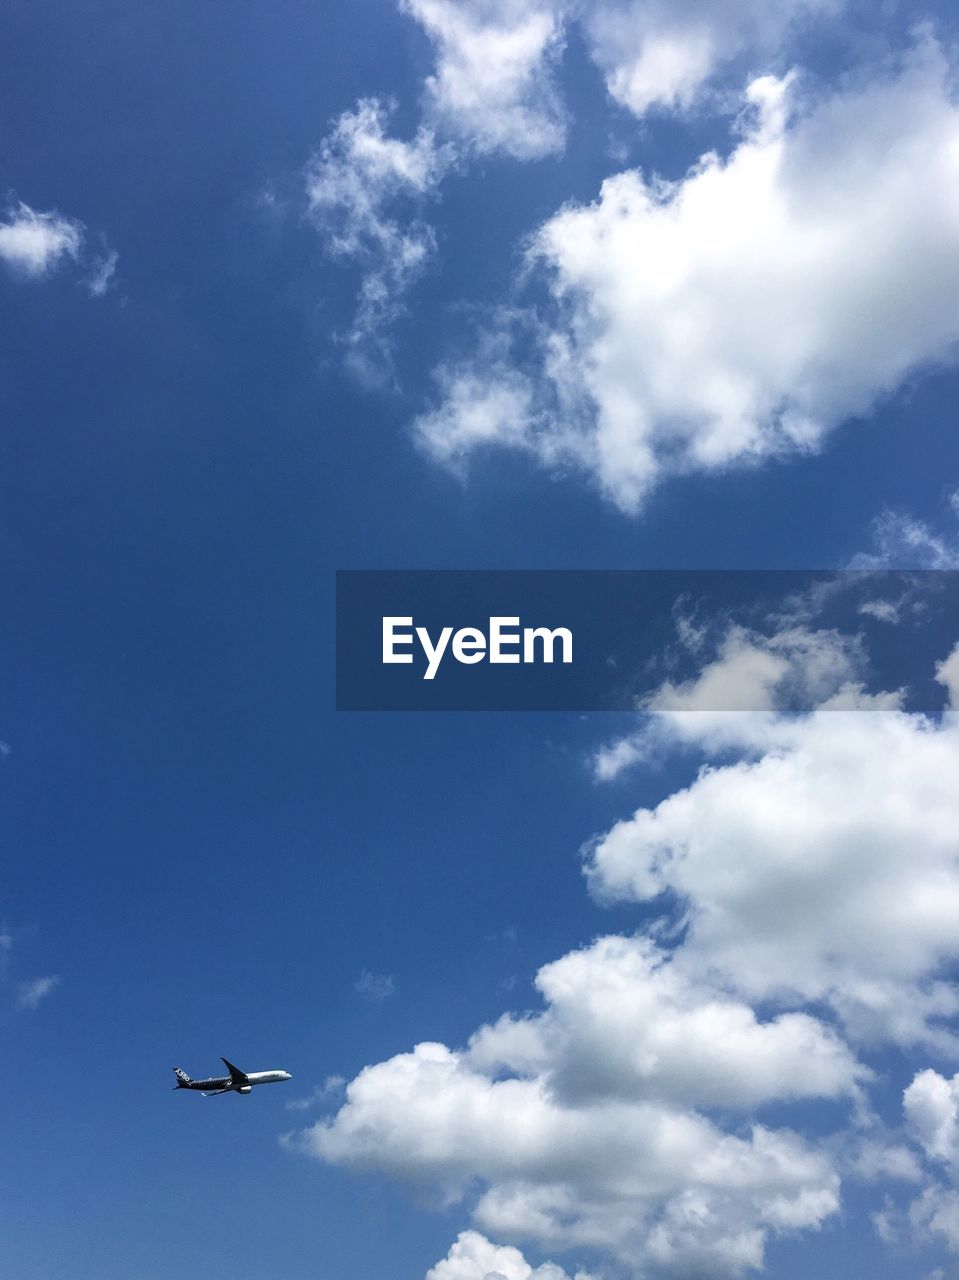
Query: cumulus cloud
[[801, 895], [494, 83], [640, 1179], [35, 244], [931, 1106], [473, 1257], [660, 53], [365, 189], [622, 1022], [741, 313], [931, 1109], [493, 86], [31, 992], [823, 862], [493, 90], [585, 1125]]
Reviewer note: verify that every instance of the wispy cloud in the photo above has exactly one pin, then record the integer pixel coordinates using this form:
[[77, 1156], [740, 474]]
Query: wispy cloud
[[375, 986], [102, 274], [901, 541], [31, 992], [364, 189]]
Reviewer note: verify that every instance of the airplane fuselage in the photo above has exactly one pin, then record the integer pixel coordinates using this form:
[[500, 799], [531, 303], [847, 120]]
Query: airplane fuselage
[[236, 1082], [252, 1077]]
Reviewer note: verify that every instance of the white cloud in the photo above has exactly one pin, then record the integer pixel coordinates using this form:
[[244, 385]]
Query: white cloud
[[881, 610], [30, 993], [903, 542], [103, 272], [582, 1125], [947, 673], [355, 184], [473, 1257], [660, 53], [622, 1022], [796, 668], [741, 313], [764, 673], [886, 1222], [931, 1108], [616, 757], [642, 1180], [493, 88], [827, 867], [34, 244], [809, 881], [935, 1213], [931, 1105], [875, 1160], [476, 411], [494, 84]]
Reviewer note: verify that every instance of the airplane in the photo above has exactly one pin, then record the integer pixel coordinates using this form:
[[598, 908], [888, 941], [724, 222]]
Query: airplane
[[236, 1082]]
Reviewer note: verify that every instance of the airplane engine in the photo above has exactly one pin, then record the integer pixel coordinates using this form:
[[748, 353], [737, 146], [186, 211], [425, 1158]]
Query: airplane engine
[[245, 1088]]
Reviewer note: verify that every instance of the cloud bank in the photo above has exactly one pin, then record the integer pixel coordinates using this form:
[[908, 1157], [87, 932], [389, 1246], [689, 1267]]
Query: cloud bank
[[802, 891]]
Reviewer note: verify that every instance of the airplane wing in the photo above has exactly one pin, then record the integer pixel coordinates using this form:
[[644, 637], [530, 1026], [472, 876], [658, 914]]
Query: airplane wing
[[236, 1075], [214, 1092]]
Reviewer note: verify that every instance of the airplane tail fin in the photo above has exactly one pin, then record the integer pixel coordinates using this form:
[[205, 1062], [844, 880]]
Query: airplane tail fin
[[182, 1079]]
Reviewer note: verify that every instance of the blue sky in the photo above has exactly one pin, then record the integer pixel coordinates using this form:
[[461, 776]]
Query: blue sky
[[201, 423]]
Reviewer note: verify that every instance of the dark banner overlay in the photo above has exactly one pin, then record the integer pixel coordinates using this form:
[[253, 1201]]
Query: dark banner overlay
[[427, 640]]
